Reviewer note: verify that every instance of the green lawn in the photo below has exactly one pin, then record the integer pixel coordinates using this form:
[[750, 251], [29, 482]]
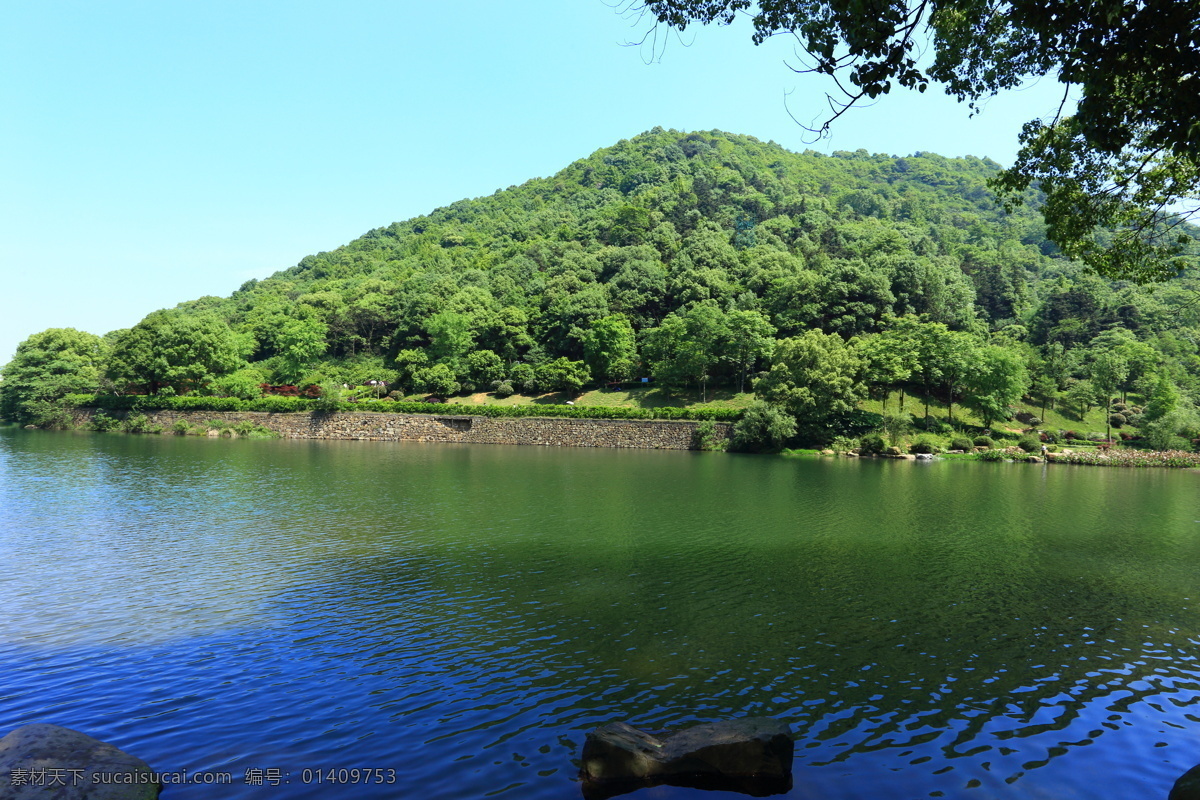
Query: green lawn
[[1061, 418], [631, 396], [645, 396]]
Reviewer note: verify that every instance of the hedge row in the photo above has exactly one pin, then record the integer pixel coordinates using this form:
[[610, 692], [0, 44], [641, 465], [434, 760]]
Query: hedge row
[[289, 404]]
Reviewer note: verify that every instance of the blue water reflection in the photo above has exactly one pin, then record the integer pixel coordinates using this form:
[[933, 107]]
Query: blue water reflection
[[464, 615]]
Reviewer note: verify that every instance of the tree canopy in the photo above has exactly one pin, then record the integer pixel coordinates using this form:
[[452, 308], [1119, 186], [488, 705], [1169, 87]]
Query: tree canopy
[[1119, 173], [695, 259]]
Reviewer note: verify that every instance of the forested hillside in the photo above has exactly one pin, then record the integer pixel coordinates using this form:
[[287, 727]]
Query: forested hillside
[[695, 259]]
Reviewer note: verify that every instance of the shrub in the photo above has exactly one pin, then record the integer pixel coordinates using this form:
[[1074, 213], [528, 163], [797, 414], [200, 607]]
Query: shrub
[[1030, 444], [843, 444], [1051, 448], [1116, 420], [503, 389], [330, 398], [140, 423], [923, 444], [1070, 435], [763, 427], [934, 425], [1051, 437], [181, 427], [871, 444], [985, 441], [960, 443], [896, 426], [706, 436], [253, 430], [1034, 421], [104, 423], [245, 383]]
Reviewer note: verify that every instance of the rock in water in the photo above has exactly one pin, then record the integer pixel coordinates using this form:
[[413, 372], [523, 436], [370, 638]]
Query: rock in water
[[1188, 786], [53, 763], [753, 754]]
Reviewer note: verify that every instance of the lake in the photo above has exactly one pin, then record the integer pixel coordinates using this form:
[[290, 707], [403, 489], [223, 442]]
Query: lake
[[463, 615]]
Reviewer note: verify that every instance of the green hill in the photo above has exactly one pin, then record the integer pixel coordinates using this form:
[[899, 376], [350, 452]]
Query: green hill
[[680, 257]]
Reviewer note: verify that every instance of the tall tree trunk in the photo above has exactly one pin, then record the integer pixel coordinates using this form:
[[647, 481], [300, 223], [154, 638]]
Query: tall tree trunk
[[901, 398], [1108, 420]]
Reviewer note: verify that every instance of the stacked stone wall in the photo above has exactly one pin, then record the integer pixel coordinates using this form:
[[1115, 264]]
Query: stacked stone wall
[[370, 426]]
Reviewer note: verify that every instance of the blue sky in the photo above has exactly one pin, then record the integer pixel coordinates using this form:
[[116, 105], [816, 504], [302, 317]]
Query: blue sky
[[157, 152]]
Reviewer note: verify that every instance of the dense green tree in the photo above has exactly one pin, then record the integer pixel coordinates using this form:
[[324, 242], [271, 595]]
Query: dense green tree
[[750, 336], [451, 335], [892, 355], [1128, 151], [1081, 395], [996, 380], [484, 367], [562, 375], [958, 356], [300, 342], [174, 351], [438, 379], [46, 367], [1163, 401], [814, 376], [610, 348], [685, 347], [1175, 430], [1045, 387], [1108, 371], [1140, 358]]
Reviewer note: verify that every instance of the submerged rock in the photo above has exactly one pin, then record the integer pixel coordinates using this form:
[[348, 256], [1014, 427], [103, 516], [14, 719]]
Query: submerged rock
[[46, 761], [751, 755]]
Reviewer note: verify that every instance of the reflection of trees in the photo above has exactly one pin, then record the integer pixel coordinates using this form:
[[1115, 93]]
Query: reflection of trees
[[874, 606]]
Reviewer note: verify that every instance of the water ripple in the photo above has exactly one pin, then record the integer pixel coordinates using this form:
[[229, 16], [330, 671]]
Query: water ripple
[[464, 615]]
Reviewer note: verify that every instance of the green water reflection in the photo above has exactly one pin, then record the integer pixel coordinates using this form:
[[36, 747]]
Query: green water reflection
[[989, 617]]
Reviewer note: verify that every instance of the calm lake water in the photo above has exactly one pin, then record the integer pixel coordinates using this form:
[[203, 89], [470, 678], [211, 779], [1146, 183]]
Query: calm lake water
[[464, 615]]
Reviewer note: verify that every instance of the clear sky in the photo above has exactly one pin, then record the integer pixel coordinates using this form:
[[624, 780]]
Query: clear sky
[[157, 152]]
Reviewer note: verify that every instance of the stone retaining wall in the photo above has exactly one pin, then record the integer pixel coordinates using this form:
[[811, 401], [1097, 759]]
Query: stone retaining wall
[[372, 426]]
